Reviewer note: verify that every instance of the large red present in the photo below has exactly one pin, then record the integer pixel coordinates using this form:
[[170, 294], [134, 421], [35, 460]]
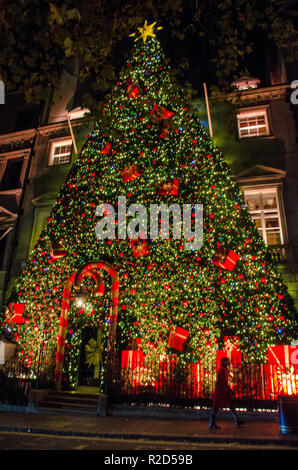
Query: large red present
[[195, 379], [167, 367], [231, 351], [220, 353], [283, 362], [283, 355], [159, 113], [130, 173], [232, 348], [131, 89], [167, 362], [57, 250], [165, 131], [106, 148], [234, 358], [169, 187], [131, 359], [139, 247], [226, 259], [16, 312], [177, 338]]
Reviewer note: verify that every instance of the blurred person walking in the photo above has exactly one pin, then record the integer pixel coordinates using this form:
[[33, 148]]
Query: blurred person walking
[[223, 395]]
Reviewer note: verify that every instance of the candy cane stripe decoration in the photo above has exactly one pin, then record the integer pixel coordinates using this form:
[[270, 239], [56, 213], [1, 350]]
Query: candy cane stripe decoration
[[62, 330], [91, 270]]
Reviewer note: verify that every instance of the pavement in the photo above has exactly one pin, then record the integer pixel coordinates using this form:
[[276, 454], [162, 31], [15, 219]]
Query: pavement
[[255, 431]]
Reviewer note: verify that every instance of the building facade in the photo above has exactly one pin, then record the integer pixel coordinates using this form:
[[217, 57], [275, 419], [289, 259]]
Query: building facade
[[38, 145], [256, 126]]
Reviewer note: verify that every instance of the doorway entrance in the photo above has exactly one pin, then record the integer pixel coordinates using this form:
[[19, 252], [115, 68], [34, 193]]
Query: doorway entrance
[[74, 282], [90, 358]]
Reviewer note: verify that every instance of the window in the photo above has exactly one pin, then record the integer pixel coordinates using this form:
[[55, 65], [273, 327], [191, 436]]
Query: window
[[5, 246], [12, 175], [253, 123], [3, 240], [264, 208], [60, 152]]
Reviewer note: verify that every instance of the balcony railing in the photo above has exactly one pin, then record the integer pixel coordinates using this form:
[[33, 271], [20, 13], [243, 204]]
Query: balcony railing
[[278, 253]]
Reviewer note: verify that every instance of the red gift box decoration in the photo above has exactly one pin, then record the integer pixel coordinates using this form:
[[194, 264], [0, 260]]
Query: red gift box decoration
[[177, 338], [16, 312], [232, 348], [169, 187], [225, 260], [284, 355], [139, 247], [167, 363], [196, 374], [160, 113], [131, 89], [231, 351], [57, 251], [106, 148], [282, 362], [165, 130], [169, 359], [130, 173], [235, 357], [131, 359]]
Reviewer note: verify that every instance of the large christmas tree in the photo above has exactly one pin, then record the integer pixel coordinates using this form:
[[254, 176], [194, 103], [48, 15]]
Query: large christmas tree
[[149, 147]]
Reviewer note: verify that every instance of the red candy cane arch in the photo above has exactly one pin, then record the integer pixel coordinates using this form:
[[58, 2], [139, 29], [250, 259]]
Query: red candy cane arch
[[100, 287], [91, 270]]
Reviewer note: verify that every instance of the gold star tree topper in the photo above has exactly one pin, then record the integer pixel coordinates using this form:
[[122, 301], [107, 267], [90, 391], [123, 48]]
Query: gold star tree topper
[[145, 31]]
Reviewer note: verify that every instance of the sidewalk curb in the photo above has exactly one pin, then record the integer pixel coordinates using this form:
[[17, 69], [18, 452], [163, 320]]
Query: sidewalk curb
[[282, 441], [152, 412]]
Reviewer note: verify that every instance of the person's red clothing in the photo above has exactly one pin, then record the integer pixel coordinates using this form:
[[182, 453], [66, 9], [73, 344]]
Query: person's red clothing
[[223, 394]]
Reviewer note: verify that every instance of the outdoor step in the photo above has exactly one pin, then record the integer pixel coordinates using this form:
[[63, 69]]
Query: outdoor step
[[89, 403], [67, 405], [82, 403], [67, 395], [72, 400], [47, 408]]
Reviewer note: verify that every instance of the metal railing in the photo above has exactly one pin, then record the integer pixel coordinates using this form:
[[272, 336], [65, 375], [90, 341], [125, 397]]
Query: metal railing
[[278, 253], [164, 382], [253, 385], [17, 378], [15, 383]]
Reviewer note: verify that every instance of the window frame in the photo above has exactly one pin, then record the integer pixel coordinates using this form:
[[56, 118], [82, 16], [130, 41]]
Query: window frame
[[261, 190], [249, 112], [8, 234], [14, 155], [54, 143]]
